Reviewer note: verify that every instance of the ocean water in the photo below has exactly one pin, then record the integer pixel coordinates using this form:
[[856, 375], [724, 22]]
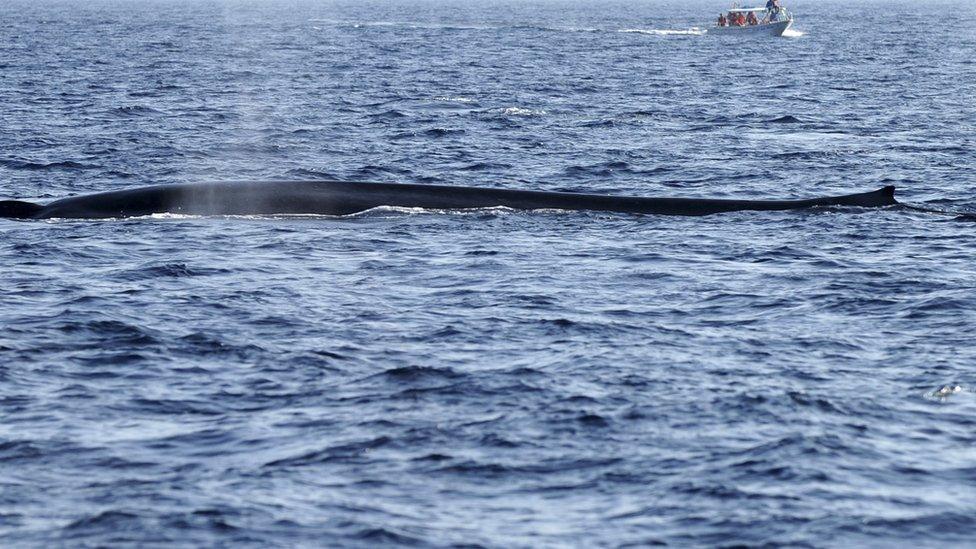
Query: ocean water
[[489, 378]]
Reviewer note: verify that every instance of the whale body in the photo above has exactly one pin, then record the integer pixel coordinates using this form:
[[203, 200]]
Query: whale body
[[347, 197]]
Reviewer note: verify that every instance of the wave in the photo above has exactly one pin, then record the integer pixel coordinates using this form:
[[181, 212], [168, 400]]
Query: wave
[[308, 173], [484, 166], [386, 115], [166, 270], [39, 166], [135, 110]]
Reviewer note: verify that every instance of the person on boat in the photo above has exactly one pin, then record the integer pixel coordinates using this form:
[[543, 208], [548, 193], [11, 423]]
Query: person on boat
[[721, 20], [740, 19], [751, 19]]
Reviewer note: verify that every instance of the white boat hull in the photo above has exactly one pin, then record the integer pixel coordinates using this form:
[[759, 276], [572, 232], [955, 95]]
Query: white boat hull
[[776, 28]]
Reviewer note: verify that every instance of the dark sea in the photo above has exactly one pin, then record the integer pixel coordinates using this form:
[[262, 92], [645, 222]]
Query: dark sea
[[489, 378]]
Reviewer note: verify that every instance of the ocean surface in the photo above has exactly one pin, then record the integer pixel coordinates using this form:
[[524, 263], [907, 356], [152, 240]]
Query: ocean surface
[[489, 378]]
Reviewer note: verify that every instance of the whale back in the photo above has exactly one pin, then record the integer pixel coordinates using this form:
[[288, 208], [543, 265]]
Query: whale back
[[348, 197], [18, 209]]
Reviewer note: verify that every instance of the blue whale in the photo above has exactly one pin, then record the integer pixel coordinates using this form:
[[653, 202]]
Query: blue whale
[[347, 197]]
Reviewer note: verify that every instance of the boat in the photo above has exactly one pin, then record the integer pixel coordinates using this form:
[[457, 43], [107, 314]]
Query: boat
[[773, 21]]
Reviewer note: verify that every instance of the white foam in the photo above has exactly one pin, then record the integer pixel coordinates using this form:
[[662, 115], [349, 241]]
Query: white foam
[[500, 210], [519, 111], [793, 33], [946, 391], [454, 99]]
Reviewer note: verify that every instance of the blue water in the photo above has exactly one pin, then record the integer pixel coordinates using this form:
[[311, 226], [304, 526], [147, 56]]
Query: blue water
[[489, 378]]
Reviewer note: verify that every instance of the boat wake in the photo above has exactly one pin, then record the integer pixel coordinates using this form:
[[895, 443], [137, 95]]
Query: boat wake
[[793, 33], [419, 25], [693, 31]]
